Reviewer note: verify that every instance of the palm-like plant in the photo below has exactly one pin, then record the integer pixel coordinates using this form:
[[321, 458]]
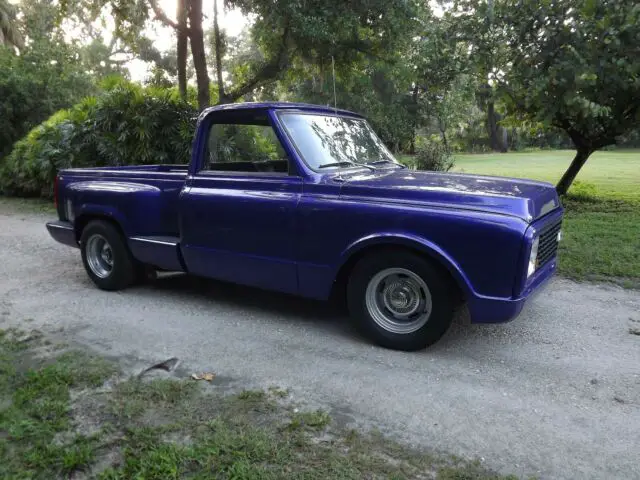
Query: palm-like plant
[[127, 125], [10, 35]]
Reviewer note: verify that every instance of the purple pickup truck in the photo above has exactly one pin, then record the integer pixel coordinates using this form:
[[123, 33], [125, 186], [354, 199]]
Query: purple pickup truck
[[307, 200]]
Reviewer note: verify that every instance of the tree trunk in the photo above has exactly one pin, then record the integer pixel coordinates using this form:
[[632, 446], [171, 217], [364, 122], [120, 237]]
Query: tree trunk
[[492, 127], [443, 133], [198, 53], [505, 139], [444, 139], [216, 29], [182, 48], [414, 100], [570, 175]]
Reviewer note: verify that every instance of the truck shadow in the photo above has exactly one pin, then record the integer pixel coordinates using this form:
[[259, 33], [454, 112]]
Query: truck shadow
[[289, 309], [293, 310]]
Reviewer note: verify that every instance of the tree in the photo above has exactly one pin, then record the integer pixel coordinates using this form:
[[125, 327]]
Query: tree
[[283, 31], [10, 35], [49, 73], [575, 65], [478, 24], [182, 47], [379, 89], [442, 80]]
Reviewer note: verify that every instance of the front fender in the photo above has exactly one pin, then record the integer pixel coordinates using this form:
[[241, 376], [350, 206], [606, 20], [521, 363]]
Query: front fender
[[414, 242]]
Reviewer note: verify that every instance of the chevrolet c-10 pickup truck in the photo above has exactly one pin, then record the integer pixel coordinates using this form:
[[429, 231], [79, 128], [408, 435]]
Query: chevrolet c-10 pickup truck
[[307, 200]]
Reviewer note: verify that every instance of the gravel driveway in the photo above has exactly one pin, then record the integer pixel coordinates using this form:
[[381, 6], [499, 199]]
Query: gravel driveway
[[555, 394]]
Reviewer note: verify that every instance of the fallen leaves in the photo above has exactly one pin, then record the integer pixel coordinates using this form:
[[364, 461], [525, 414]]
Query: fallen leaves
[[203, 376]]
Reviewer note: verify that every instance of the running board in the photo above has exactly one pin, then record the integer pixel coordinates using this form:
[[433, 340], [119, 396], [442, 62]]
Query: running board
[[160, 251]]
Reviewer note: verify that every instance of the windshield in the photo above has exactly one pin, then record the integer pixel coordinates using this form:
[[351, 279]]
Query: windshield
[[327, 141]]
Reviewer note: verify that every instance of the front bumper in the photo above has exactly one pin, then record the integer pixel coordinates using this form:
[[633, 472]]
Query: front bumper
[[63, 232], [500, 310]]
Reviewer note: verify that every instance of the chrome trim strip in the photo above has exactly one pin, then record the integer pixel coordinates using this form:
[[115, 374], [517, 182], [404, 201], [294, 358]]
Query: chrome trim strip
[[61, 227], [154, 241]]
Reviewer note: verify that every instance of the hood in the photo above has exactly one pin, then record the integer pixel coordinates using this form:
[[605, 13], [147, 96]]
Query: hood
[[525, 199]]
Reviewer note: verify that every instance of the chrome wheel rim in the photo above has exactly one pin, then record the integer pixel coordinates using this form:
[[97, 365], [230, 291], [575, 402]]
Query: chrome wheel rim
[[99, 256], [398, 300]]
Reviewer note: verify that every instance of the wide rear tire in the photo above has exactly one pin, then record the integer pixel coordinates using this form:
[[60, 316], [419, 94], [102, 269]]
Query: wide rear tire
[[400, 300], [106, 256]]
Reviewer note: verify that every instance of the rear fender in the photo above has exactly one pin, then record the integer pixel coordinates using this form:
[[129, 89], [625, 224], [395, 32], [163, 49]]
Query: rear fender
[[133, 206], [88, 211]]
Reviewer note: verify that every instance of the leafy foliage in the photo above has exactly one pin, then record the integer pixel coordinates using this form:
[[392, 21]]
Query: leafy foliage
[[435, 157], [9, 32], [33, 85], [127, 125], [575, 66], [377, 90]]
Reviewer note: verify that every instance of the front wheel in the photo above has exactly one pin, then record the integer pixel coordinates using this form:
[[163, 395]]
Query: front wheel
[[400, 300], [106, 257]]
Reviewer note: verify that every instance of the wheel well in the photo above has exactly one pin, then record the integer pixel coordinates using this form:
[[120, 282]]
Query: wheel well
[[82, 221], [339, 290]]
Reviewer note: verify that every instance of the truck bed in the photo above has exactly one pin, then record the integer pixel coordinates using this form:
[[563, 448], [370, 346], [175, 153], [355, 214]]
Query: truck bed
[[147, 195]]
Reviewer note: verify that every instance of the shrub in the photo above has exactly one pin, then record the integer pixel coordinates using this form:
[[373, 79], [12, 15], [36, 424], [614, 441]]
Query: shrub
[[435, 157], [127, 125], [583, 192]]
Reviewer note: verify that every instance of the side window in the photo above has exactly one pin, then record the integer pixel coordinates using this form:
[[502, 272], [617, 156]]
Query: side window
[[245, 148]]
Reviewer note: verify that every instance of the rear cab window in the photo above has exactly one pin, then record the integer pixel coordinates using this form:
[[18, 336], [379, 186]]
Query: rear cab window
[[245, 144]]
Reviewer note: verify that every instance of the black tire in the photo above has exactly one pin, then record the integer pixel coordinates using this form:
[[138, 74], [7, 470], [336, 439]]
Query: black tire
[[124, 270], [439, 286]]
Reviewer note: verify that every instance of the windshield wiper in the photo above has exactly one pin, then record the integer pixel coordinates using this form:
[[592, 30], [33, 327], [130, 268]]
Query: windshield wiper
[[381, 161], [346, 164]]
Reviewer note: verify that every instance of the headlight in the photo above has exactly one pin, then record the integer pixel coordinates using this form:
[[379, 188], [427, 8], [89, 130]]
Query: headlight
[[533, 257]]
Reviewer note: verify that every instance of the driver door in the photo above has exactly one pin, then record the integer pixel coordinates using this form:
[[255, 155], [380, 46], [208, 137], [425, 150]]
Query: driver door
[[238, 217]]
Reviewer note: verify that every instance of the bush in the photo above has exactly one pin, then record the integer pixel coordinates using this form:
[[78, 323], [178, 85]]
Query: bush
[[433, 156], [127, 125]]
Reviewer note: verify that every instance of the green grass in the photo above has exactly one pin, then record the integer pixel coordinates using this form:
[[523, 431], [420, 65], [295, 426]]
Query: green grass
[[316, 420], [602, 222], [35, 437], [614, 173], [177, 428]]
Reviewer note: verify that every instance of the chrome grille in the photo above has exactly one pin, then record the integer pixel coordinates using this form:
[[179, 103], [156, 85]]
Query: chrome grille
[[548, 246]]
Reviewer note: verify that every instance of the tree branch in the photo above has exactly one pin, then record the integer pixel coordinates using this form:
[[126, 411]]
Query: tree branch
[[266, 73], [162, 17]]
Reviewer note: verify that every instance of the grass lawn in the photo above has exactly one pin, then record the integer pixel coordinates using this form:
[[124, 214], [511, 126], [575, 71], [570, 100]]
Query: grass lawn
[[602, 223], [614, 174], [68, 414]]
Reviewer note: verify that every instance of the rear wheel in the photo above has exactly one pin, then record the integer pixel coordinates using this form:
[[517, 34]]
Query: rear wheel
[[400, 300], [106, 256]]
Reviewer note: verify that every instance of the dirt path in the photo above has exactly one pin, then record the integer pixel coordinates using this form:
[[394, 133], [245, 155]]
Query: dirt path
[[555, 393]]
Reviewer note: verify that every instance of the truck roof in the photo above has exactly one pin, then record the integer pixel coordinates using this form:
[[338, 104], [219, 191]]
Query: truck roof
[[279, 106]]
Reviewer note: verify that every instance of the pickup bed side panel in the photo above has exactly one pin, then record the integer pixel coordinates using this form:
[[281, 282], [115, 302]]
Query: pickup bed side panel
[[481, 250], [147, 206], [145, 209]]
